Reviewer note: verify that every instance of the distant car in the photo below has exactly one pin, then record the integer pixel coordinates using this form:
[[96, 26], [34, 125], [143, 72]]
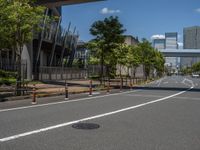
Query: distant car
[[195, 75]]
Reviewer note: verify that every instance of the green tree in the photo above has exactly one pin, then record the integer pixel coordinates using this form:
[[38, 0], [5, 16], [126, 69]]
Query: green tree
[[107, 33], [95, 52], [133, 58], [120, 56], [151, 59], [147, 57], [159, 63], [196, 67], [18, 20]]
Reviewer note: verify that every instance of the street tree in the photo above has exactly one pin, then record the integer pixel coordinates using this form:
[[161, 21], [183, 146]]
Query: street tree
[[107, 33], [18, 20], [159, 63], [120, 56], [133, 58], [146, 55], [151, 59], [196, 67]]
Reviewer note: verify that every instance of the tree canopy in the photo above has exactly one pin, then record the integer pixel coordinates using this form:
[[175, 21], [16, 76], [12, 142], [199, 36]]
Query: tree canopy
[[107, 34], [18, 19]]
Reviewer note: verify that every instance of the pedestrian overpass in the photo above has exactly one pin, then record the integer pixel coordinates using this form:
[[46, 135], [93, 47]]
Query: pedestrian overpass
[[180, 52]]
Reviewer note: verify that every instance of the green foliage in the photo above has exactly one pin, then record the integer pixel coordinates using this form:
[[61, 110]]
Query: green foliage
[[151, 59], [196, 67], [7, 74], [18, 19], [7, 81], [186, 70], [108, 49], [78, 63], [107, 33]]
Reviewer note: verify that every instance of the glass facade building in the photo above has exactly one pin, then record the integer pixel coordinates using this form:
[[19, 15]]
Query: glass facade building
[[159, 43], [191, 37], [191, 40], [171, 40]]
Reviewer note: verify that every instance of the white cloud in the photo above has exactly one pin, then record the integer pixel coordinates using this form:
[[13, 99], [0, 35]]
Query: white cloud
[[109, 11], [157, 36], [197, 10]]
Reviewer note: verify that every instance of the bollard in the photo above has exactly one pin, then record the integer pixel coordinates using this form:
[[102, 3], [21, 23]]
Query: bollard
[[34, 95], [90, 88], [66, 92], [108, 87], [121, 82], [131, 85]]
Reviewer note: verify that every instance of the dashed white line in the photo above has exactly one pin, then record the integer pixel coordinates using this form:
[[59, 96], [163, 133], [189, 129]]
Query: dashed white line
[[88, 118]]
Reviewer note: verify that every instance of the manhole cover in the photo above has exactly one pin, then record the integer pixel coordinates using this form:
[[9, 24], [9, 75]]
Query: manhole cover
[[85, 126]]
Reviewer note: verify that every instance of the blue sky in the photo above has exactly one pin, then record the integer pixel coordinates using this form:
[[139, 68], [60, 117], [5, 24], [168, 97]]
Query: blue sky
[[142, 18]]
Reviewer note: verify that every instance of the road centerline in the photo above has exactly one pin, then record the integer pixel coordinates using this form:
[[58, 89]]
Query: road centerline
[[88, 118]]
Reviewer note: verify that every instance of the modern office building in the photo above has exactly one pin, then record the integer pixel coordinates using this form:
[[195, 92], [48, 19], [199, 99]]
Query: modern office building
[[191, 37], [159, 43], [191, 40], [169, 41]]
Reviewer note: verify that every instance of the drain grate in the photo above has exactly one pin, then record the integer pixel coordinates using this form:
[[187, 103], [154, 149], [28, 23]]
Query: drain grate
[[86, 126]]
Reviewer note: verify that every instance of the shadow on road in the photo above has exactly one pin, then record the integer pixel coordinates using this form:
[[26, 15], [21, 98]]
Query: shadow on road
[[167, 88]]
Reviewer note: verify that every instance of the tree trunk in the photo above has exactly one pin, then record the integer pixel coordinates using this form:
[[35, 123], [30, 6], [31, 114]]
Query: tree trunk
[[18, 92], [102, 64]]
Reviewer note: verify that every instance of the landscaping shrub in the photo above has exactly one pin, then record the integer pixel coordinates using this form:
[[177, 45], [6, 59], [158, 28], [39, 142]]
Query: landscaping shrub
[[7, 74], [7, 81]]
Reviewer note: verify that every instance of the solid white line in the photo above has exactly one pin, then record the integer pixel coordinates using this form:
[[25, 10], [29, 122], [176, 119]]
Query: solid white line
[[143, 95], [88, 118], [70, 101]]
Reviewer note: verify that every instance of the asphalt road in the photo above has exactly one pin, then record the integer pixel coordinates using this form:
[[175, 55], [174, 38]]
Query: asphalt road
[[163, 115]]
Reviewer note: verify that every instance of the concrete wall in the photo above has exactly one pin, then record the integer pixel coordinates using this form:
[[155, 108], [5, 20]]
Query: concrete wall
[[27, 57]]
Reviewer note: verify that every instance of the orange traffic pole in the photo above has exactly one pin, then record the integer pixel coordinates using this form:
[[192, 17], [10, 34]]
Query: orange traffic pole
[[66, 92], [108, 87], [90, 88], [34, 95], [121, 82], [131, 85]]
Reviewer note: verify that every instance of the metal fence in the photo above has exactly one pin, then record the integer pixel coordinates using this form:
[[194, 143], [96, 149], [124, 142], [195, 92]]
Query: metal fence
[[8, 65], [60, 73], [64, 73]]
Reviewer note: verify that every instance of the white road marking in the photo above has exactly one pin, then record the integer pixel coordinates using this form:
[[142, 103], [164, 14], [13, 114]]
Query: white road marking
[[159, 82], [62, 102], [93, 93], [185, 82], [88, 118], [140, 95]]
